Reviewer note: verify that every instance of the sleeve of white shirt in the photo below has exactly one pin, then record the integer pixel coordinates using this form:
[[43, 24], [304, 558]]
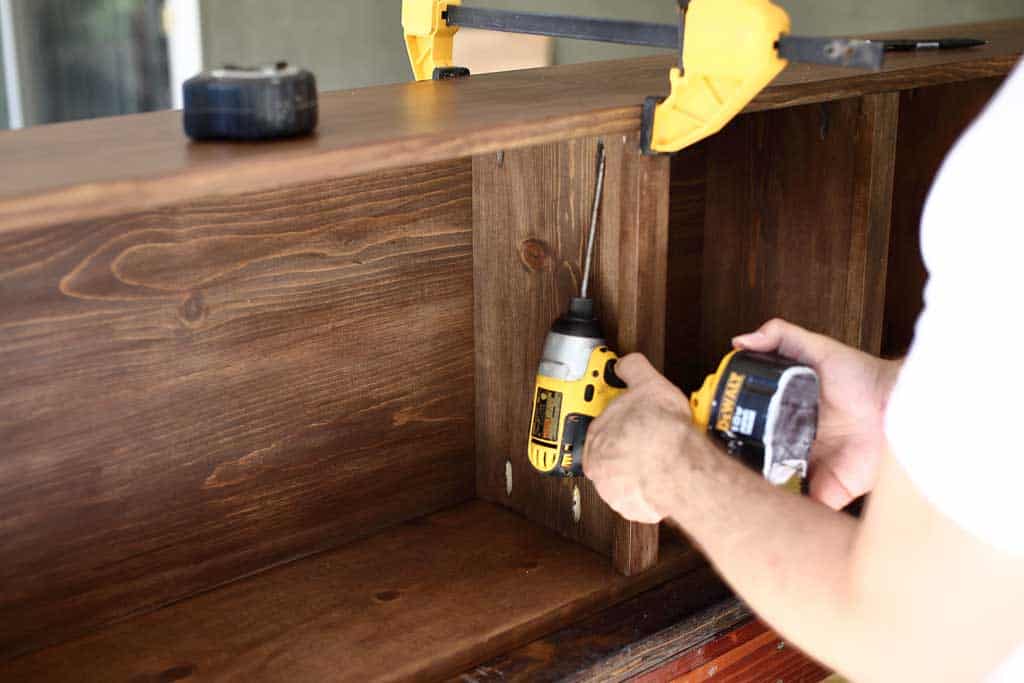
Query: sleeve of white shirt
[[955, 420]]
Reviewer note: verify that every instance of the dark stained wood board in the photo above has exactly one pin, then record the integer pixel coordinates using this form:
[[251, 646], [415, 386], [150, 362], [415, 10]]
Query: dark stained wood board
[[197, 393], [931, 120], [422, 600], [531, 212], [724, 628], [661, 635], [796, 222], [88, 169], [872, 178], [626, 639], [749, 653], [658, 636], [808, 83], [683, 308]]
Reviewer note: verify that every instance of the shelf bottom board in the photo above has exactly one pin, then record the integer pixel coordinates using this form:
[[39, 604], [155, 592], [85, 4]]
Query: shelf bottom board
[[424, 599]]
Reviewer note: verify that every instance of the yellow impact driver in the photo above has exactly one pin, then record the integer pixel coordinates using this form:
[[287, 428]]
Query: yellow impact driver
[[576, 378], [762, 407]]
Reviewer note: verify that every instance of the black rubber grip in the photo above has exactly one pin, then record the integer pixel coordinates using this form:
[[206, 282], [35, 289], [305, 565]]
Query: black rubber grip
[[610, 378], [450, 73]]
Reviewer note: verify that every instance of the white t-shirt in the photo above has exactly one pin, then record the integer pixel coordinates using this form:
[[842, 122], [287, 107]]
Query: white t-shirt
[[956, 416]]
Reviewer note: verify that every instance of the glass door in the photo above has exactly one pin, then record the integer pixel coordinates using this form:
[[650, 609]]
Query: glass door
[[75, 59]]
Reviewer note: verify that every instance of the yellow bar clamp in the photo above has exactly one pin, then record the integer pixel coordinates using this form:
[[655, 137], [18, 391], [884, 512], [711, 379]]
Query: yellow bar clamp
[[428, 38], [729, 56]]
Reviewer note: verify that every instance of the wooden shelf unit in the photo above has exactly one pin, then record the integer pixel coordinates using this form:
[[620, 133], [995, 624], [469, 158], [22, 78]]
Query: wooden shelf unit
[[253, 393], [427, 598]]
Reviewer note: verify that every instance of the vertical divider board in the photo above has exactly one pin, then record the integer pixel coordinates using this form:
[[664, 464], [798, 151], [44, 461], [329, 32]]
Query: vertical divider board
[[687, 202], [531, 210], [796, 222], [944, 111]]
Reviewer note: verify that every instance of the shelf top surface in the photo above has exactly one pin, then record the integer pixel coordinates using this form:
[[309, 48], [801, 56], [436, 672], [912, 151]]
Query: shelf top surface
[[88, 169], [421, 600]]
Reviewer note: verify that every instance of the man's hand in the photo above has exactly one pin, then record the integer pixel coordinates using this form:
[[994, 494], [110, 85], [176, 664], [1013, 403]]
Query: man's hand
[[855, 388], [634, 448]]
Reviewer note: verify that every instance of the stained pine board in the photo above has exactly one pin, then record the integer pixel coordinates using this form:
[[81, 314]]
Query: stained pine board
[[625, 640], [423, 600], [797, 222], [192, 394], [531, 212], [111, 166], [944, 111], [752, 652]]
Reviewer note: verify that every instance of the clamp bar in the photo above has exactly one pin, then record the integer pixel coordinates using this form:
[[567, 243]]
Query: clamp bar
[[862, 54], [729, 51], [565, 26]]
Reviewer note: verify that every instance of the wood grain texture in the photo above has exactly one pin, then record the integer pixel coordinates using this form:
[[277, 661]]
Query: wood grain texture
[[531, 211], [625, 640], [194, 394], [740, 626], [874, 164], [662, 635], [75, 171], [423, 600], [683, 305], [944, 112], [750, 653], [796, 224], [808, 84]]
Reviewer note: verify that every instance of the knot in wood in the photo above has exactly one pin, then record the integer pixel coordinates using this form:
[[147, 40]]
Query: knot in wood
[[193, 309], [535, 254]]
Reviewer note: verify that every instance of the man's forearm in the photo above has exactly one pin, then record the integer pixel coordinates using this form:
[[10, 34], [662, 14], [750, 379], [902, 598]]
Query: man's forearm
[[891, 596], [787, 556]]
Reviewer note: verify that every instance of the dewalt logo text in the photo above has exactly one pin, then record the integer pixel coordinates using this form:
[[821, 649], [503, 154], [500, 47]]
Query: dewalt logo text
[[727, 405]]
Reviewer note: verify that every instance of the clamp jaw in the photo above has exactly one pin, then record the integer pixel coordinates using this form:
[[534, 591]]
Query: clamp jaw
[[428, 37], [729, 51], [729, 55]]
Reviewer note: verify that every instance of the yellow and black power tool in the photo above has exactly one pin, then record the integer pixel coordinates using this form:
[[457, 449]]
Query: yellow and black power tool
[[762, 407], [576, 378], [728, 50]]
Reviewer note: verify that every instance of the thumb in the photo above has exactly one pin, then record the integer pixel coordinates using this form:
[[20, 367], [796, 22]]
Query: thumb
[[827, 488], [634, 369], [787, 339]]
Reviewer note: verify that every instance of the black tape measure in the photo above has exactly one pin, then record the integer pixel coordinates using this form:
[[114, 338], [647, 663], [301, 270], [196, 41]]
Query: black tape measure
[[250, 103]]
